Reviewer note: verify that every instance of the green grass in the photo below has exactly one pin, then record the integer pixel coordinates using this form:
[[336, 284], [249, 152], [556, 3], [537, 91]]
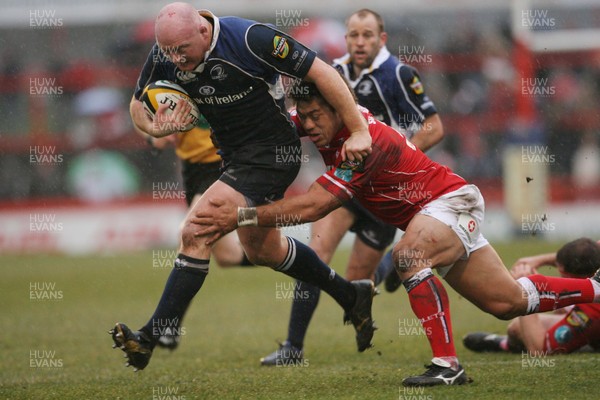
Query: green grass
[[234, 321]]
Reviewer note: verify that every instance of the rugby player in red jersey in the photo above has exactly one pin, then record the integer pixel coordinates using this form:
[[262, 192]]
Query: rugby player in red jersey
[[393, 93], [563, 331], [439, 212]]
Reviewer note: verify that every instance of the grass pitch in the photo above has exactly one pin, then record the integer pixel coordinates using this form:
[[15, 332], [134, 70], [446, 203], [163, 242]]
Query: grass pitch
[[56, 312]]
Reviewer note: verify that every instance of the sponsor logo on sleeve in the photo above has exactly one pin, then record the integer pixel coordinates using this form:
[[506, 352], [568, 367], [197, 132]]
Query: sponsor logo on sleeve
[[281, 47], [300, 58], [578, 319], [357, 166], [345, 171], [344, 174], [416, 85]]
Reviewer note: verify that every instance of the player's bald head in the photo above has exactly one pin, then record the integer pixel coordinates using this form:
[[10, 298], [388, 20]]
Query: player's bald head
[[183, 35], [176, 20]]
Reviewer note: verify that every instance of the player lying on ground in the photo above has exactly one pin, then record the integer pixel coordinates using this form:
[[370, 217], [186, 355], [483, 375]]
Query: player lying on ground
[[562, 331], [394, 93], [230, 66], [438, 210]]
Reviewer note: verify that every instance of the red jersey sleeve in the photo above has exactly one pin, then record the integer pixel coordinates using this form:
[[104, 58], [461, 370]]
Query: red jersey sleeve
[[580, 327], [347, 178]]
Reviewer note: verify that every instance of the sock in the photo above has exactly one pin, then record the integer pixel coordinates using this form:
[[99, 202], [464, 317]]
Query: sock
[[514, 346], [245, 261], [385, 267], [306, 299], [302, 263], [429, 302], [547, 293], [183, 283]]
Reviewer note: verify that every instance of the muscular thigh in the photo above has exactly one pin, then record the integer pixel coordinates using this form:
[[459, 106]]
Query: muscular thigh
[[263, 246], [484, 281], [218, 190], [426, 243], [191, 244]]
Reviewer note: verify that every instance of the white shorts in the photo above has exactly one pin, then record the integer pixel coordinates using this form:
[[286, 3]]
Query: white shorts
[[462, 210]]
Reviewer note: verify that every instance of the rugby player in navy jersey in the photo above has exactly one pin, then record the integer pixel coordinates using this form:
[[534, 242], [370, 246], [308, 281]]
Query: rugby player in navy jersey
[[393, 92], [231, 68], [441, 215]]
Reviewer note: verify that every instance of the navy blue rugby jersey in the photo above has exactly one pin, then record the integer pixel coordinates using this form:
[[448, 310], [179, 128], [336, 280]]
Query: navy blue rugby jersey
[[391, 90], [238, 86]]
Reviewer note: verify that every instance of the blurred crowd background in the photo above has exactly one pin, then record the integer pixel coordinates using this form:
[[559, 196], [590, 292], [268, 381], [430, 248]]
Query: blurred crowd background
[[65, 85]]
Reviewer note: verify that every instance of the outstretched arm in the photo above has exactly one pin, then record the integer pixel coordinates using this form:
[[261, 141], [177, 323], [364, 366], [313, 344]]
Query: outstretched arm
[[526, 266], [307, 207]]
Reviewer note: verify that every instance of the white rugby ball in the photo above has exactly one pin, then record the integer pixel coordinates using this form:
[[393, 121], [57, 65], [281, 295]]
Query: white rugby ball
[[161, 92]]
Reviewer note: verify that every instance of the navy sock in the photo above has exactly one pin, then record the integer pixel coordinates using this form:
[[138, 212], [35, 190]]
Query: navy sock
[[306, 299], [246, 262], [183, 283], [302, 263], [385, 267]]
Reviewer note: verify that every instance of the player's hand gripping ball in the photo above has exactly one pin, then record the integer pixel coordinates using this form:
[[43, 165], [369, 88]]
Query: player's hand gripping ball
[[161, 92]]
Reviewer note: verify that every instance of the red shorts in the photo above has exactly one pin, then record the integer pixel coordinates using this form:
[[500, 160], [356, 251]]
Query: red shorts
[[580, 327]]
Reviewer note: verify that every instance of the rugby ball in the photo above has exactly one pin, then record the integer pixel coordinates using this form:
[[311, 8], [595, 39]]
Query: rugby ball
[[161, 92]]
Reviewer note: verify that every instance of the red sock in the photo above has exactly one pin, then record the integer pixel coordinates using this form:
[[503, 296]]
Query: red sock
[[429, 302], [561, 292]]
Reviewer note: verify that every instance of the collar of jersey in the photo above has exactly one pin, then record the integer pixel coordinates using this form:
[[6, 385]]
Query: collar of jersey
[[383, 55], [215, 37]]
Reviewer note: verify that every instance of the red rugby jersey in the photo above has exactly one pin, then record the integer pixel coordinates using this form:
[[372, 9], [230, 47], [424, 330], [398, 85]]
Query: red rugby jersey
[[394, 182]]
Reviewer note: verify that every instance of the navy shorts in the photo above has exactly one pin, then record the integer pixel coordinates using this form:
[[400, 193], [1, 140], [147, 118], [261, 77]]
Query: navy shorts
[[262, 173], [197, 177], [370, 229]]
